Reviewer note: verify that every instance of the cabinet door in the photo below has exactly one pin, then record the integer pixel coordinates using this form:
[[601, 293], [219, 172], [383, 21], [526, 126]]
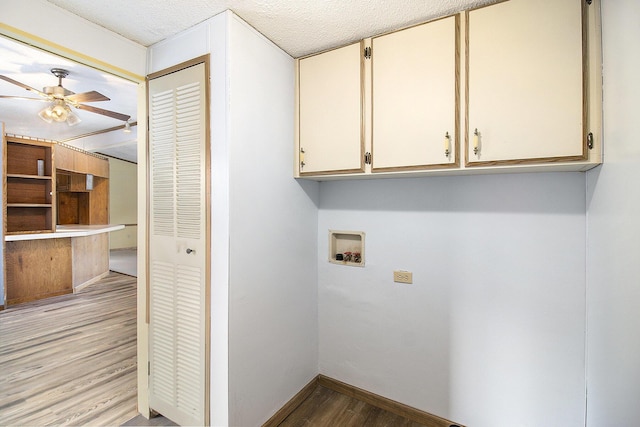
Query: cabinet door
[[330, 112], [80, 162], [97, 166], [179, 212], [414, 90], [525, 83], [63, 158]]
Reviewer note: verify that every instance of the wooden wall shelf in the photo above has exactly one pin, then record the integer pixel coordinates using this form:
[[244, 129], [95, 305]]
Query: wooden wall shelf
[[29, 186], [17, 175]]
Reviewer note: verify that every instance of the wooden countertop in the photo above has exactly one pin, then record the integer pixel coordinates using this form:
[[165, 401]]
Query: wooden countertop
[[64, 231]]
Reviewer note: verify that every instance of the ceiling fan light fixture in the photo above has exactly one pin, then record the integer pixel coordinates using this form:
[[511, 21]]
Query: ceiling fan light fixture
[[72, 119], [127, 127], [61, 100], [60, 112], [46, 114]]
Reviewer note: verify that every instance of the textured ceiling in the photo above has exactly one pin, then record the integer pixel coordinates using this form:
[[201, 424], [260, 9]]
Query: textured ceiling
[[299, 27]]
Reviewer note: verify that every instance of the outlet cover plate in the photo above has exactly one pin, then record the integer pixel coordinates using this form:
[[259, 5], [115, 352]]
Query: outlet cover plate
[[403, 276]]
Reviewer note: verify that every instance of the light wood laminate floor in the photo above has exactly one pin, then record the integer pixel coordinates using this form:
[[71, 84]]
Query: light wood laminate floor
[[71, 360]]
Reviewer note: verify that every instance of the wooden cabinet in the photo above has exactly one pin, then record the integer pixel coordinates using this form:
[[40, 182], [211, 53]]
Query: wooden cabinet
[[526, 83], [64, 157], [71, 182], [510, 87], [78, 202], [43, 268], [71, 159], [29, 186], [414, 97], [398, 102], [330, 112], [97, 166], [38, 269]]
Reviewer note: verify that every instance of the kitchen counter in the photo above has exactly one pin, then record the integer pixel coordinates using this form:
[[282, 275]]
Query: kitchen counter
[[65, 231], [42, 265]]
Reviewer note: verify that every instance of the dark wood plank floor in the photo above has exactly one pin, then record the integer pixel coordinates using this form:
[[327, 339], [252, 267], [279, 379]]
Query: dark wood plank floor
[[71, 360], [325, 407]]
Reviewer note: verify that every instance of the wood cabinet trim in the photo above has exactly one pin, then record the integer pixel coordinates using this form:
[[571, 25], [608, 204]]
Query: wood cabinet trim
[[441, 166], [332, 172], [362, 105], [533, 161], [456, 141], [585, 77]]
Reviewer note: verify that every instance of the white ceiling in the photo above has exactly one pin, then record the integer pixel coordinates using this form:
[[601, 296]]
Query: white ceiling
[[299, 27], [32, 67]]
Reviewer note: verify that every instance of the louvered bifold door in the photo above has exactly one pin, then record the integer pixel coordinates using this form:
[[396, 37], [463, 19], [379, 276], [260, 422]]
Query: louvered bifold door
[[177, 245]]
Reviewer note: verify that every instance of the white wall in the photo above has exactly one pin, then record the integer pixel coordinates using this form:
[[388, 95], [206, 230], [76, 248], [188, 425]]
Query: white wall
[[123, 208], [82, 40], [273, 270], [264, 270], [211, 37], [613, 288], [491, 332]]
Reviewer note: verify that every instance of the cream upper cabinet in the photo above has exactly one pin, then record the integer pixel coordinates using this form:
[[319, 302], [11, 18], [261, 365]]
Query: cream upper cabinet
[[526, 83], [515, 86], [330, 134], [414, 97]]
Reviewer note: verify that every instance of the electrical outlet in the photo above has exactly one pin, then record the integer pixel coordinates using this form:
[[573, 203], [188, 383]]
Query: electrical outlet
[[403, 277]]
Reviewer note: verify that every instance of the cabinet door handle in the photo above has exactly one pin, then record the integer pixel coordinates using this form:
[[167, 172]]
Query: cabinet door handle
[[447, 145], [191, 251], [476, 142]]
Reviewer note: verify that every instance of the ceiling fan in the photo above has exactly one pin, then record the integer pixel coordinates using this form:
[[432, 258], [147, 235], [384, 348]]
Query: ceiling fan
[[61, 100]]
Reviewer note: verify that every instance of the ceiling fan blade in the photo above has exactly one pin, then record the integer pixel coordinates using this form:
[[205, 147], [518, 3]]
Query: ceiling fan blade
[[23, 97], [108, 113], [92, 96], [24, 86]]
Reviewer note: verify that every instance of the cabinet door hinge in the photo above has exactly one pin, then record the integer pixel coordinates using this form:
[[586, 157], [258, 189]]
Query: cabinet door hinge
[[367, 53], [590, 141], [367, 158]]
